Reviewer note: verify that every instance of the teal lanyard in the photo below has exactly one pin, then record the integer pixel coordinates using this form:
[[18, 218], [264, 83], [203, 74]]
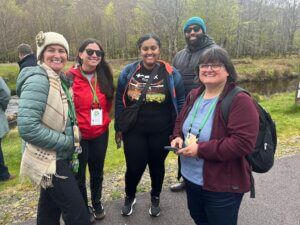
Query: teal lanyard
[[93, 89], [71, 111], [212, 106]]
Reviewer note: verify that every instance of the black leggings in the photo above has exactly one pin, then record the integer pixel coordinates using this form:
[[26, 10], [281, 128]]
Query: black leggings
[[64, 197], [93, 154], [4, 174], [142, 148]]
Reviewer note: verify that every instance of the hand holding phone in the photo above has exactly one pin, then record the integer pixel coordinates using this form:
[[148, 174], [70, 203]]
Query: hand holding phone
[[170, 148]]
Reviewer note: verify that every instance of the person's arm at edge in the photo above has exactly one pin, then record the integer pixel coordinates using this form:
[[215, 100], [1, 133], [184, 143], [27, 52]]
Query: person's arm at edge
[[4, 94]]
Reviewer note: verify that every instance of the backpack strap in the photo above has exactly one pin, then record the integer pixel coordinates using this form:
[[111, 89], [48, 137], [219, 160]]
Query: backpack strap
[[252, 186], [227, 100], [225, 107]]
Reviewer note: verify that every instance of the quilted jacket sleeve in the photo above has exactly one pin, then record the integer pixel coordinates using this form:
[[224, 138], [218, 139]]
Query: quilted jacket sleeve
[[4, 95], [32, 103], [122, 81], [180, 95]]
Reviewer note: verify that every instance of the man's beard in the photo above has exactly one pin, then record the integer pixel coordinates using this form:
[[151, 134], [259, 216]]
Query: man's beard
[[195, 42]]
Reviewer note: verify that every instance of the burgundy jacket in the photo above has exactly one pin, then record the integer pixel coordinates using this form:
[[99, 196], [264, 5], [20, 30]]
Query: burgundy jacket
[[225, 166]]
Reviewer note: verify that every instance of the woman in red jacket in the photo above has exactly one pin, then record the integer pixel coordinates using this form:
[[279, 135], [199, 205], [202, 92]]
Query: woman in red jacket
[[212, 153], [93, 93]]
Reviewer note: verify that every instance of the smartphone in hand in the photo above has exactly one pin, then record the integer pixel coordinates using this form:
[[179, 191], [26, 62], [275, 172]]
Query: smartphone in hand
[[170, 148]]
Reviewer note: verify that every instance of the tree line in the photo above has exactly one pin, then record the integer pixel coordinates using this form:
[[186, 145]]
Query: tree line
[[252, 28]]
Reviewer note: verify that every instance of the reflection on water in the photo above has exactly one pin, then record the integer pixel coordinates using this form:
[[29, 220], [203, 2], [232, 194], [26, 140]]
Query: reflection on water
[[270, 87]]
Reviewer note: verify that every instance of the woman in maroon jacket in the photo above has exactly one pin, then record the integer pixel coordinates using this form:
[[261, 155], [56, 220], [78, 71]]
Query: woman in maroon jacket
[[212, 153], [93, 93]]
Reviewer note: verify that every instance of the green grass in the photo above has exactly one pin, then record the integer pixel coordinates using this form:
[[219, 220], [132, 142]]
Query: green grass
[[9, 72], [114, 157], [247, 68], [267, 68], [281, 106], [11, 146], [285, 114]]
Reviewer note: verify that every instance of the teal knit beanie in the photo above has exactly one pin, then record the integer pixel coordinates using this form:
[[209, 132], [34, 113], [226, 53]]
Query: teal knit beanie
[[195, 21]]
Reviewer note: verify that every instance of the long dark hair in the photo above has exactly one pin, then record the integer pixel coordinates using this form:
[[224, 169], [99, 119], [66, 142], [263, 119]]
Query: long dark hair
[[103, 70], [217, 55]]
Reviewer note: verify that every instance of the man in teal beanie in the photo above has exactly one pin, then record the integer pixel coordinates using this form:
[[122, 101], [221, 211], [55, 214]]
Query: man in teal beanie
[[195, 21], [186, 61]]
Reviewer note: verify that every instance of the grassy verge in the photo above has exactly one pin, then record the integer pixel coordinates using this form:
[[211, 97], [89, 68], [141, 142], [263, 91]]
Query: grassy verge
[[247, 68], [11, 146], [281, 106], [267, 68], [9, 72], [284, 112]]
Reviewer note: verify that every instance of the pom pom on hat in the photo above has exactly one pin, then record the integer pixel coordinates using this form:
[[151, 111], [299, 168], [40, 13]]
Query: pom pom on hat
[[195, 21], [49, 38]]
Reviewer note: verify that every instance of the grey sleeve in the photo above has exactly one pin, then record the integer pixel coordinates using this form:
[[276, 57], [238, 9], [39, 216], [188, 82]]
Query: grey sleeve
[[4, 94]]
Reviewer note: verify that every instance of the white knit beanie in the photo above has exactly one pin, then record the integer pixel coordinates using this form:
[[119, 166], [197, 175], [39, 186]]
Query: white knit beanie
[[49, 38]]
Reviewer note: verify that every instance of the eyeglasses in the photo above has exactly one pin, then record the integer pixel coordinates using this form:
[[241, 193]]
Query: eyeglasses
[[213, 66], [196, 29], [91, 52]]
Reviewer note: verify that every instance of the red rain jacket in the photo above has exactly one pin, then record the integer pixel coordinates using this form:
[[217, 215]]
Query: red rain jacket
[[83, 100]]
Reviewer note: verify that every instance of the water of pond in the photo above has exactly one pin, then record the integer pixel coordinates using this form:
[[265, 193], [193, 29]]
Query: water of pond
[[271, 86], [263, 88]]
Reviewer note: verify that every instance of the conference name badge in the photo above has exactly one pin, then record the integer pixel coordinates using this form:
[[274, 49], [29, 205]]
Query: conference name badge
[[96, 117], [190, 139]]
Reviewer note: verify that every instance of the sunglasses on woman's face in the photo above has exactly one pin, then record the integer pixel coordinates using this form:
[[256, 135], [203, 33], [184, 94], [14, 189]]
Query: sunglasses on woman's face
[[91, 52], [189, 30]]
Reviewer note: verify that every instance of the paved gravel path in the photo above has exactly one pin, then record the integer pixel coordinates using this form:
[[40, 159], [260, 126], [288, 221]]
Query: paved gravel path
[[277, 202], [18, 204]]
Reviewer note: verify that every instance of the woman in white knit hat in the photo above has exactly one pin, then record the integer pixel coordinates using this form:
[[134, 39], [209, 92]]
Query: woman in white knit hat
[[47, 122]]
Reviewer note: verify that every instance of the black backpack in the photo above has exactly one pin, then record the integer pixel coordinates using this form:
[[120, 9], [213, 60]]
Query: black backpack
[[262, 158]]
